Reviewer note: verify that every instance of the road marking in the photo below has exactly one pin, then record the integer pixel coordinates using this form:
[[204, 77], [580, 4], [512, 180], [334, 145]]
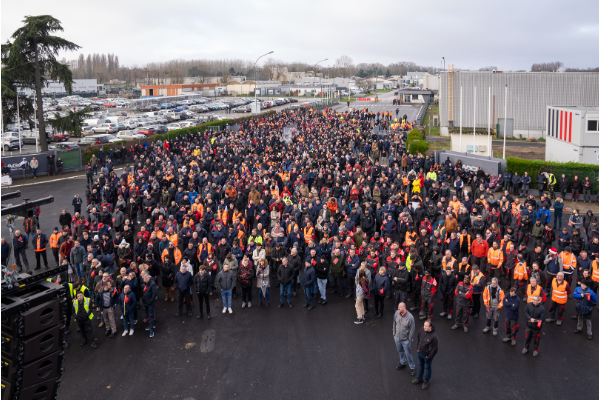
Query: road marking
[[54, 180]]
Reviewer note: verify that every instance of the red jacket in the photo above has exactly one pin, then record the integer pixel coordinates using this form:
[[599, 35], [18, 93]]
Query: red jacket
[[480, 250]]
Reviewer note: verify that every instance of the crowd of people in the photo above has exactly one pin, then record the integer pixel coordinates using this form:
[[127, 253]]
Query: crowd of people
[[334, 210]]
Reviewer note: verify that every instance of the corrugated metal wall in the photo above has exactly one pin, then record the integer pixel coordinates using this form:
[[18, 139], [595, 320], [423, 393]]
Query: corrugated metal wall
[[529, 93]]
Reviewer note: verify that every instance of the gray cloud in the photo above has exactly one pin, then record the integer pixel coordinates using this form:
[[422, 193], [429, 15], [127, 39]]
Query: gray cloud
[[510, 34]]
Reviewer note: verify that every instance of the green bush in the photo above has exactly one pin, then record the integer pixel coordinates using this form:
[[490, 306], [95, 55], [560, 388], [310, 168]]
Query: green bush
[[570, 169], [418, 146]]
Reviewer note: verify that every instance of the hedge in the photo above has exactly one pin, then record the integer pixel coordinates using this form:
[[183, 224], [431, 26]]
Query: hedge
[[570, 169]]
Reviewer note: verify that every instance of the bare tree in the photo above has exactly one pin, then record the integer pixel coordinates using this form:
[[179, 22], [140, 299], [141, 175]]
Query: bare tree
[[343, 66]]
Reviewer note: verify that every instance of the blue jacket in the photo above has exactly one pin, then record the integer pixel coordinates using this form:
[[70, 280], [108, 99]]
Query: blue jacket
[[380, 282], [183, 281], [127, 307], [352, 265], [544, 216], [100, 302], [43, 240], [511, 307], [308, 277], [507, 176], [558, 209], [583, 305], [526, 180]]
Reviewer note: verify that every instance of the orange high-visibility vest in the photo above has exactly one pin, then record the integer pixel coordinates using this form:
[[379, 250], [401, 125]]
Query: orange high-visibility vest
[[495, 257], [198, 207], [449, 263], [39, 244], [54, 240], [173, 238], [595, 272], [209, 248], [408, 240], [531, 293], [176, 253], [569, 260], [468, 242], [223, 216], [487, 296], [520, 271], [309, 234], [559, 292]]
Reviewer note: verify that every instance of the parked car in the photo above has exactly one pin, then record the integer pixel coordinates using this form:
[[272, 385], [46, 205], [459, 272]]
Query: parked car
[[65, 146], [160, 129], [93, 139], [111, 138], [241, 109], [130, 124], [105, 128], [148, 131], [129, 135], [107, 104], [175, 126], [10, 142]]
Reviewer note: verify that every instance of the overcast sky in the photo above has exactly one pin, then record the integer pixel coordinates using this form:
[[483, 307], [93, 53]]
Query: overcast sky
[[510, 35]]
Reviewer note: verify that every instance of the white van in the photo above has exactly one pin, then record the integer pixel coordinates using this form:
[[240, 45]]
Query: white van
[[151, 113], [115, 119], [95, 121]]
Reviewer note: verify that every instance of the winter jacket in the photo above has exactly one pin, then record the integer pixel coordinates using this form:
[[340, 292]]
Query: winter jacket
[[308, 278], [337, 268], [448, 283], [427, 343], [463, 295], [127, 302], [511, 307], [149, 292], [285, 274], [352, 265], [400, 279], [403, 327], [225, 280], [381, 284], [584, 306], [538, 313], [183, 281], [202, 282]]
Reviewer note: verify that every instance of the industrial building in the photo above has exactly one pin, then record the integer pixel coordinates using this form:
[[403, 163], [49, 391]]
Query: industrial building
[[80, 86], [572, 134], [529, 95]]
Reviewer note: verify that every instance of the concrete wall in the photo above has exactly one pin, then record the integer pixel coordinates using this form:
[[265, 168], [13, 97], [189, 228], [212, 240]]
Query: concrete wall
[[492, 166], [467, 140], [518, 133], [561, 151]]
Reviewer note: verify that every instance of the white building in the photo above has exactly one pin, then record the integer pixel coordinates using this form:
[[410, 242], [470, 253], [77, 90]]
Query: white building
[[572, 134], [79, 86]]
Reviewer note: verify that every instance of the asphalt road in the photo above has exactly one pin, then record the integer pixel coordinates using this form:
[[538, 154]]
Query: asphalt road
[[268, 353], [384, 103]]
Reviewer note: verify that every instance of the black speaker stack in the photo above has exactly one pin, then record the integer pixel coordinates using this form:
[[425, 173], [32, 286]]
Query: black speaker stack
[[33, 338]]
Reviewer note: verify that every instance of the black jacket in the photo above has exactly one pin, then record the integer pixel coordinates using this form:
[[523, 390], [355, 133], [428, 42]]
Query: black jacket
[[403, 279], [448, 283], [427, 343], [536, 312], [149, 292], [285, 274], [202, 282]]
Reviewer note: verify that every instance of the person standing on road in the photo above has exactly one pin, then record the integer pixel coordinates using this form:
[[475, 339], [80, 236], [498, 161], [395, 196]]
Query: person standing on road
[[534, 313], [106, 301], [54, 247], [362, 295], [202, 286], [560, 292], [76, 203], [39, 242], [83, 316], [403, 330], [19, 246], [183, 280], [463, 293], [493, 297], [149, 294], [34, 164], [586, 299], [511, 305], [427, 348], [285, 274], [307, 280], [225, 282]]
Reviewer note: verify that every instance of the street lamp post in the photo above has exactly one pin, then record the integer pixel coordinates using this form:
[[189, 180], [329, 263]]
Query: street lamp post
[[315, 68], [255, 107]]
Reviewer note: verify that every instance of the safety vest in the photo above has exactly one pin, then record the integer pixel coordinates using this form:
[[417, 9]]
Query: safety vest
[[71, 291], [432, 175], [256, 239], [449, 263], [569, 262], [82, 289], [160, 234], [174, 239], [238, 215], [487, 296], [275, 193], [475, 279], [455, 205], [595, 272], [209, 248], [38, 244], [86, 307], [532, 293], [468, 242], [408, 263], [222, 216], [54, 240], [495, 257], [176, 253], [198, 207], [520, 271], [309, 234], [559, 292], [409, 239], [551, 179]]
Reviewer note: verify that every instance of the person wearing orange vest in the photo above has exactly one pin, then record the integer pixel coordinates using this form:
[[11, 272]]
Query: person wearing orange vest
[[493, 296], [54, 247], [464, 247], [495, 258], [478, 283], [39, 242], [560, 294], [569, 261], [309, 233], [173, 252], [520, 274], [595, 272], [533, 289]]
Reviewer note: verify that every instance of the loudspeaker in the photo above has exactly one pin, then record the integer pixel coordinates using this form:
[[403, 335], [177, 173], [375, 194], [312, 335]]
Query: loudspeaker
[[25, 350], [36, 319], [25, 375], [47, 390]]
